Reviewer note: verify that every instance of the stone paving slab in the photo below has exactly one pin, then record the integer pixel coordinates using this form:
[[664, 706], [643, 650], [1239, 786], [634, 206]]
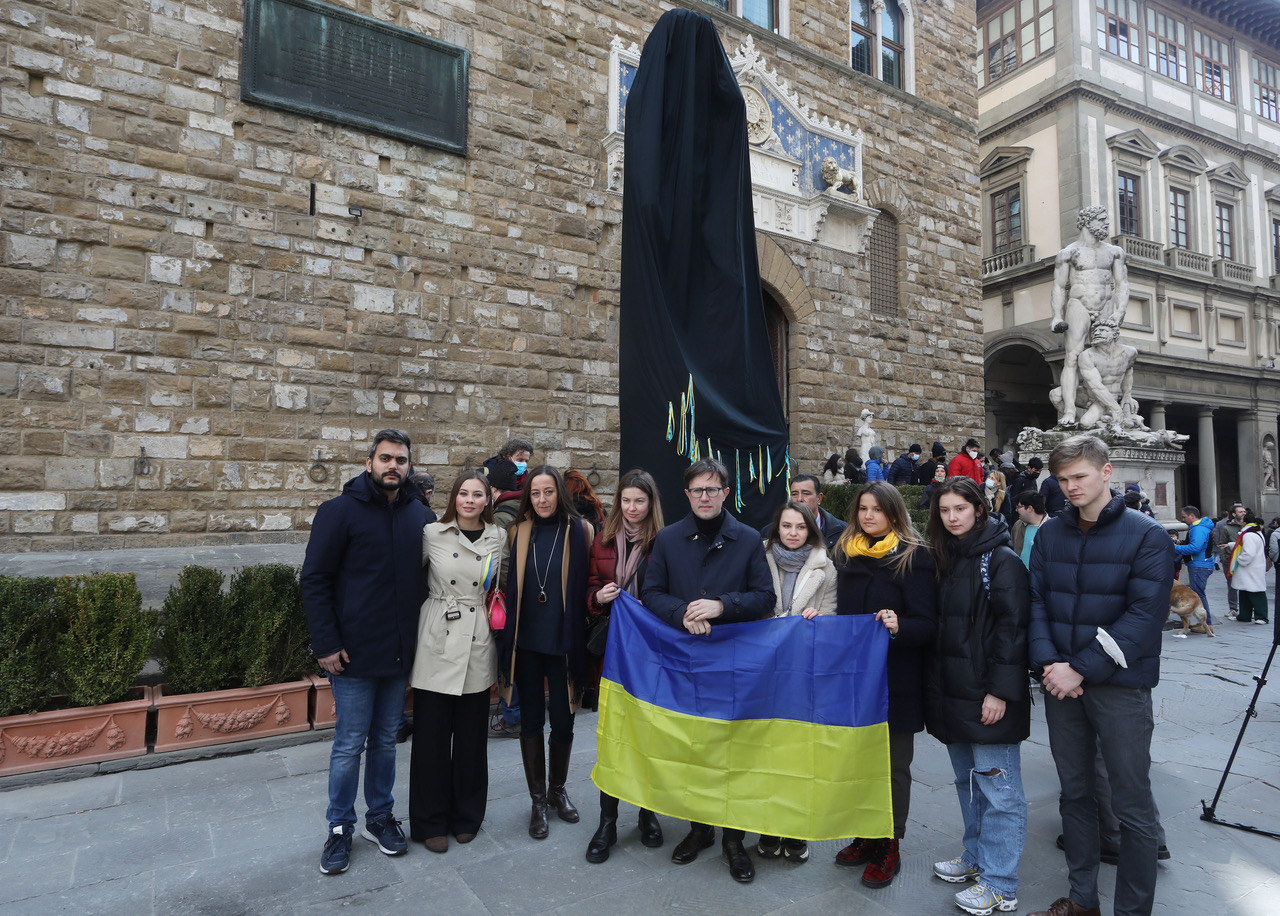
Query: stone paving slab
[[241, 833]]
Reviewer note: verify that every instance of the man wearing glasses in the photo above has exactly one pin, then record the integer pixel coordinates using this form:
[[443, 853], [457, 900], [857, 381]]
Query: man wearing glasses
[[709, 567]]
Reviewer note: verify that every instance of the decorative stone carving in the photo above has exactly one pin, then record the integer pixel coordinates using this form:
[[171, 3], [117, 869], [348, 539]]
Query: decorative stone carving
[[837, 178], [1090, 287], [759, 117], [1268, 463]]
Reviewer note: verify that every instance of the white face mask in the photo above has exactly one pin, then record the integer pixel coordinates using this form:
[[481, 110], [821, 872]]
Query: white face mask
[[973, 453]]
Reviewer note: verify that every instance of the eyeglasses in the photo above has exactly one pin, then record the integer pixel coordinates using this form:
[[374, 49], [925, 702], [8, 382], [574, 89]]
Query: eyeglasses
[[699, 492]]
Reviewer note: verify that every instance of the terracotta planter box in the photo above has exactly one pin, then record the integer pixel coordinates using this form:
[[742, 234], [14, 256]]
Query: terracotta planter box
[[67, 737], [199, 719], [322, 711], [323, 714]]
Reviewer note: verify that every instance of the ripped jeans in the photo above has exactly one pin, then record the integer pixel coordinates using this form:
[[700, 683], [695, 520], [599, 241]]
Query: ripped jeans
[[994, 809]]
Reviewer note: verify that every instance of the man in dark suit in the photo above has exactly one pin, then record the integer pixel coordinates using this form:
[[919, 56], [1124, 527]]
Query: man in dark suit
[[709, 568]]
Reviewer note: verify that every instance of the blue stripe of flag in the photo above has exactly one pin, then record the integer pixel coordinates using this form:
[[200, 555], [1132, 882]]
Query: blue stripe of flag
[[828, 671]]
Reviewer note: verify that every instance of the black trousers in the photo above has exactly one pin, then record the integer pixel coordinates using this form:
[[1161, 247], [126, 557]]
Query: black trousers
[[449, 765], [531, 668], [727, 834]]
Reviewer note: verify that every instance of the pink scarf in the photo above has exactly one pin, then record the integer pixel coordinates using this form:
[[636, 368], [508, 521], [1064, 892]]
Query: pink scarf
[[624, 571]]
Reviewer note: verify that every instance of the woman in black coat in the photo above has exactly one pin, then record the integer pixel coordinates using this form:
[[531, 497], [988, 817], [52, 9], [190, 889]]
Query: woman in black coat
[[545, 637], [883, 568], [977, 700]]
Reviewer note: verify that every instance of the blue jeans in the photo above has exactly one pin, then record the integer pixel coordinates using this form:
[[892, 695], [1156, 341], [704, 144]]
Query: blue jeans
[[1196, 579], [368, 713], [994, 809]]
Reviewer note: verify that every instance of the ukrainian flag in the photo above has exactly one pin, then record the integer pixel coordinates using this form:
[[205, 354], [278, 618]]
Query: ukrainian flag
[[776, 726]]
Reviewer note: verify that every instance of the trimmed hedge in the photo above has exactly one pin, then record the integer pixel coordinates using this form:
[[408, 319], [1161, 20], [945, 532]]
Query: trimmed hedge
[[198, 636], [107, 639], [254, 634], [30, 621], [274, 643]]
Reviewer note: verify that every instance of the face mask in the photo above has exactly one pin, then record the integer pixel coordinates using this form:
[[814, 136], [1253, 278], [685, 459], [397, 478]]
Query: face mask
[[973, 453], [991, 483], [520, 467], [915, 457]]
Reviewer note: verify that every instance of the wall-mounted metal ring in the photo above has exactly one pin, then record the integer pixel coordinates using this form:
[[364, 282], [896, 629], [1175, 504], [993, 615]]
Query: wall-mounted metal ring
[[318, 472]]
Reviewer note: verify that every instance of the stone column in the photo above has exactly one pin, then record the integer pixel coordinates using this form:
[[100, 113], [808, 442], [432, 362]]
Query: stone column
[[1248, 446], [1157, 415], [1208, 464]]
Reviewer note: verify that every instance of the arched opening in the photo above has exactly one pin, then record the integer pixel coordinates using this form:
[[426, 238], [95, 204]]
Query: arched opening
[[1018, 381], [779, 332]]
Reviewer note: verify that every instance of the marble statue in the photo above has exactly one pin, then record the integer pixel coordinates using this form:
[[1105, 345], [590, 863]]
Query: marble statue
[[1090, 287], [1268, 469], [837, 178], [1105, 392], [865, 435]]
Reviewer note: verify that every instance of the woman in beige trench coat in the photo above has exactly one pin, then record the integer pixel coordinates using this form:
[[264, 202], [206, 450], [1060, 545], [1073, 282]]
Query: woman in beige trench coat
[[454, 668]]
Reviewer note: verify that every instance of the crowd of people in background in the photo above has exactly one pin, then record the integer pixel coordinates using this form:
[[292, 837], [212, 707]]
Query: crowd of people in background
[[985, 595]]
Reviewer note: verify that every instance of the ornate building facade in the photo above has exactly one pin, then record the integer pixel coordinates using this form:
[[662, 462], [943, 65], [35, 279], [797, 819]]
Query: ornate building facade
[[1167, 114], [210, 304]]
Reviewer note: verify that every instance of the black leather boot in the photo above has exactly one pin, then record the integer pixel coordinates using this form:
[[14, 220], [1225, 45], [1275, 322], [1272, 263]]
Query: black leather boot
[[535, 774], [556, 796], [607, 833], [650, 829]]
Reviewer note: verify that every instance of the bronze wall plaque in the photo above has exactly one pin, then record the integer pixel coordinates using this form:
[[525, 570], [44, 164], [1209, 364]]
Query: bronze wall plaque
[[330, 63]]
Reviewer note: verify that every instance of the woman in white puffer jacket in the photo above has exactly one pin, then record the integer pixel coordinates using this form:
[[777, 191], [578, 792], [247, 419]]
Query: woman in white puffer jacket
[[1249, 571]]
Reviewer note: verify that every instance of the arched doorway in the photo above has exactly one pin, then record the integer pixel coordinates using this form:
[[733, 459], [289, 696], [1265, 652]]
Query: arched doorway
[[779, 335], [1018, 381]]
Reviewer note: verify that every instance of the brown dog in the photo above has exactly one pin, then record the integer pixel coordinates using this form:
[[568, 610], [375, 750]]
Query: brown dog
[[1187, 605]]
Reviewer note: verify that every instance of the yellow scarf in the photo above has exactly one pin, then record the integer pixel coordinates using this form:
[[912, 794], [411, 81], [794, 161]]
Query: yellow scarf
[[861, 546]]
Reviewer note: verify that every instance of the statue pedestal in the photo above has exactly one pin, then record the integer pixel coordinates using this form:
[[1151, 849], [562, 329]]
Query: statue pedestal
[[1151, 467]]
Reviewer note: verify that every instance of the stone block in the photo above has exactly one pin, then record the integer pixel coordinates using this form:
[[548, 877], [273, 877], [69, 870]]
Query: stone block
[[40, 384], [30, 252], [32, 523], [70, 474], [28, 502], [187, 475], [125, 522], [156, 446], [88, 444], [115, 473], [42, 442]]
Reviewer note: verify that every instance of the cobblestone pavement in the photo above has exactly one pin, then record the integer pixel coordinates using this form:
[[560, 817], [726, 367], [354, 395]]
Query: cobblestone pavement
[[242, 833]]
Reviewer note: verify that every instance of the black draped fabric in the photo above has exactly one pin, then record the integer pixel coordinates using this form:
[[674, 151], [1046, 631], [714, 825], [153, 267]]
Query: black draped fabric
[[697, 375]]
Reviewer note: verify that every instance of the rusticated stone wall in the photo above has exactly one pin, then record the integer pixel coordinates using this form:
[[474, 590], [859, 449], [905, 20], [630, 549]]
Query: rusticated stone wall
[[164, 286]]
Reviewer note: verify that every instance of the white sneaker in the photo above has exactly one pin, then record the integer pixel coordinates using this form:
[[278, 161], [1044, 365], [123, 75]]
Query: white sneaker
[[954, 870], [1261, 623], [981, 900]]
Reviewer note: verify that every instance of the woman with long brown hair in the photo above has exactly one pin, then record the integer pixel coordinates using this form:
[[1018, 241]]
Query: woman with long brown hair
[[883, 568], [976, 697], [619, 557], [545, 633], [454, 668]]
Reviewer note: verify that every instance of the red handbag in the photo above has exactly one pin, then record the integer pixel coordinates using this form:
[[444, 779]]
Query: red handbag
[[497, 609]]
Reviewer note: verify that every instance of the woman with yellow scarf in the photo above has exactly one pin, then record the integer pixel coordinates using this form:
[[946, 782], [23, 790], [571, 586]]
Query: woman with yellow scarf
[[883, 568]]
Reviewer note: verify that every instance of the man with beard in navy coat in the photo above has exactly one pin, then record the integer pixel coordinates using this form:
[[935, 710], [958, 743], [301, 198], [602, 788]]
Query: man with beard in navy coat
[[362, 588]]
